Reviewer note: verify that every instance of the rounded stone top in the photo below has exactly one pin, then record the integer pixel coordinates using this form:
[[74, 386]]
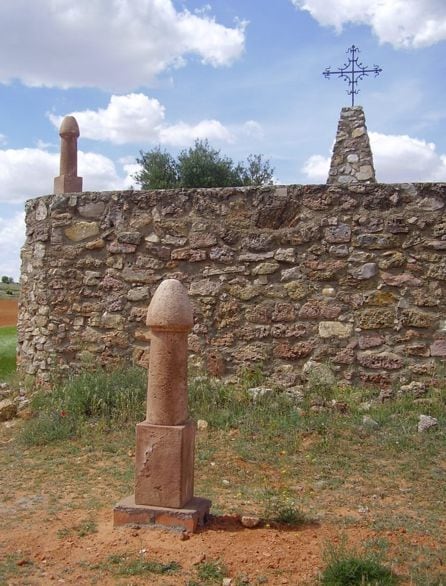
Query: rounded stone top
[[69, 126], [170, 308]]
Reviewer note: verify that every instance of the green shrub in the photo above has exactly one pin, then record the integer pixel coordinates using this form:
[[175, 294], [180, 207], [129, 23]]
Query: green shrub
[[352, 568], [211, 572], [106, 398]]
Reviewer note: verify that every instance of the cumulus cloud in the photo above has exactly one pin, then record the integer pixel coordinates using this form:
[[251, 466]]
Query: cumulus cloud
[[402, 23], [397, 158], [111, 44], [136, 118], [29, 172], [12, 237]]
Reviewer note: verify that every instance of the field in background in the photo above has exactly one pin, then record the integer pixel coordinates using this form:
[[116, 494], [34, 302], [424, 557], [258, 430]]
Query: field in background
[[9, 290], [8, 312], [8, 341]]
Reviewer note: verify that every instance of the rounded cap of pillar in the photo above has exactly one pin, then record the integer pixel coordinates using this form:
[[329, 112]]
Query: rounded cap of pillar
[[170, 308], [69, 126]]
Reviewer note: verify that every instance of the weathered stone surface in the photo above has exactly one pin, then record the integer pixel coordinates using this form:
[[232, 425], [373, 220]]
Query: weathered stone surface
[[316, 309], [417, 319], [426, 422], [401, 280], [366, 271], [285, 255], [138, 293], [265, 268], [370, 341], [113, 321], [139, 276], [202, 240], [335, 329], [380, 360], [375, 241], [390, 260], [121, 248], [292, 351], [338, 234], [81, 231], [129, 237], [283, 312], [204, 287], [372, 319], [92, 209], [438, 348]]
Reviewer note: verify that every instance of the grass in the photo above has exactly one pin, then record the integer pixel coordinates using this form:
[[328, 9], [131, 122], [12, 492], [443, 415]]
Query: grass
[[211, 572], [8, 341], [103, 399], [85, 527], [349, 567], [125, 565]]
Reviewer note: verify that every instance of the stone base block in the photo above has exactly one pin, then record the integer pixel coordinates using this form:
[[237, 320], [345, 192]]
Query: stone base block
[[164, 464], [193, 515], [67, 184]]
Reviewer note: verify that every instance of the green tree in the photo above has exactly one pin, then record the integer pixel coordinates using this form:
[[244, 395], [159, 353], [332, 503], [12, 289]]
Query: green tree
[[257, 171], [159, 170], [200, 166], [7, 280]]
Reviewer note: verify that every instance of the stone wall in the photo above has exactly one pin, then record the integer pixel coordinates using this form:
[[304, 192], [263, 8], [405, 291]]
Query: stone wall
[[353, 276]]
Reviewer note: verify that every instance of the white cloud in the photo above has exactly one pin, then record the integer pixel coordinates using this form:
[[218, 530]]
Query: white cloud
[[316, 168], [253, 129], [29, 172], [403, 158], [136, 118], [397, 158], [111, 44], [402, 23], [12, 237], [182, 134]]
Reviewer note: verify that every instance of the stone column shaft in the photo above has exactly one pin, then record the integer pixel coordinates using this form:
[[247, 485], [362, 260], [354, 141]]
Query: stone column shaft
[[167, 384]]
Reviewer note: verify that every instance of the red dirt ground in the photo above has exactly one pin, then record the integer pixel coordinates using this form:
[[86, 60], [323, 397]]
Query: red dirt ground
[[280, 556], [8, 312]]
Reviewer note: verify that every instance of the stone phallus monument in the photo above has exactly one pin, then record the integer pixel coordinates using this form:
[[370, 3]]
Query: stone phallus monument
[[68, 181], [165, 441]]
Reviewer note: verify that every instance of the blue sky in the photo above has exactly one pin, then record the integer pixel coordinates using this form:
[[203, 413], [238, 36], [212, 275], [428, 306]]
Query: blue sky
[[246, 74]]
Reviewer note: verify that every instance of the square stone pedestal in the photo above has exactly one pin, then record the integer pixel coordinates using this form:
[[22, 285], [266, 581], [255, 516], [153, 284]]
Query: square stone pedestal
[[67, 184], [193, 515], [164, 464]]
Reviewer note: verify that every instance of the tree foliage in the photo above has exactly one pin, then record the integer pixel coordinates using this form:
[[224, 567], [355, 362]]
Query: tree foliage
[[200, 166], [7, 280]]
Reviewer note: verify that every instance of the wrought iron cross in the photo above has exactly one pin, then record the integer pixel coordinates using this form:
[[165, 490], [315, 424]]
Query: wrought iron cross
[[353, 71]]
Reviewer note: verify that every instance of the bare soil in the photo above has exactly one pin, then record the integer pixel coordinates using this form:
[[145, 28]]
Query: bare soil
[[56, 508], [8, 312], [291, 557]]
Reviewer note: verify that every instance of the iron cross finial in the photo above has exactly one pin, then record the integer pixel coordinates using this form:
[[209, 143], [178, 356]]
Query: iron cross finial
[[353, 71]]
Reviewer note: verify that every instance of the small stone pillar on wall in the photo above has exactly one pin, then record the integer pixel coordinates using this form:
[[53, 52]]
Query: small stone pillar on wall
[[164, 460], [352, 159], [68, 181]]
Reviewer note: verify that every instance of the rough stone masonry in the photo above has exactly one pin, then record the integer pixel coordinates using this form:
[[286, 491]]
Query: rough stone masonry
[[353, 275]]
